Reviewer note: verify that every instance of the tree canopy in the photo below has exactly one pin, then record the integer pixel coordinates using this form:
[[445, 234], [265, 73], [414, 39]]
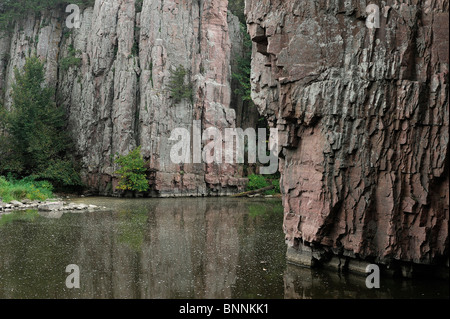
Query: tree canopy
[[35, 141]]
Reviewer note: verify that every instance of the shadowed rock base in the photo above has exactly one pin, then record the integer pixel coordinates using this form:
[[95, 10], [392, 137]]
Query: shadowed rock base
[[309, 257], [310, 283]]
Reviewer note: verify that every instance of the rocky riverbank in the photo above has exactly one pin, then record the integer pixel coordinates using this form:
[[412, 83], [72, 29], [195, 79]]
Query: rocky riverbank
[[45, 206]]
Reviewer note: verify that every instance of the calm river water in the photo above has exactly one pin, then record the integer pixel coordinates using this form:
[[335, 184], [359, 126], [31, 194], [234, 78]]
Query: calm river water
[[171, 248]]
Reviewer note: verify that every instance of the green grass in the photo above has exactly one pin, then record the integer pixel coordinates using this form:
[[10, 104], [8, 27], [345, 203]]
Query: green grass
[[256, 182], [71, 60], [26, 188]]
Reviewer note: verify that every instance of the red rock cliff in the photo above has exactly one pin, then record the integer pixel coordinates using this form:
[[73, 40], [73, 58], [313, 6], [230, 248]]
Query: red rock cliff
[[363, 119]]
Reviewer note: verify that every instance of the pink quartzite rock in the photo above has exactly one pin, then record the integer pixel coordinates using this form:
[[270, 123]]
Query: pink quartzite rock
[[118, 97], [363, 119]]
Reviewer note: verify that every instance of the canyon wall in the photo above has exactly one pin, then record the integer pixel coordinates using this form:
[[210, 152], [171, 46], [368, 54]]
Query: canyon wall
[[112, 75], [363, 119]]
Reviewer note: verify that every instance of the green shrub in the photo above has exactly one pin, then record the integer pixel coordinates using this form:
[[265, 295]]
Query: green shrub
[[71, 60], [256, 182], [25, 188], [276, 187], [132, 171], [61, 172]]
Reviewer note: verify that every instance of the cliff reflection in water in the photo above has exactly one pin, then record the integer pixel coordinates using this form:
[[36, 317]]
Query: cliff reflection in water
[[172, 248], [162, 248]]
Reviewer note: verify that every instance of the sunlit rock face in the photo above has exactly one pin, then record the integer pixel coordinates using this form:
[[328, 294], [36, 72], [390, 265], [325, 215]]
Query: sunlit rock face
[[116, 94], [363, 119]]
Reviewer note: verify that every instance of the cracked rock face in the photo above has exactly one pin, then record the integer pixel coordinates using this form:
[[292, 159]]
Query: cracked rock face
[[116, 97], [363, 123]]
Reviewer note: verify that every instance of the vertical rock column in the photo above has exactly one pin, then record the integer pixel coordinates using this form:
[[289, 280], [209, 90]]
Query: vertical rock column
[[194, 35], [363, 123], [100, 93], [215, 85]]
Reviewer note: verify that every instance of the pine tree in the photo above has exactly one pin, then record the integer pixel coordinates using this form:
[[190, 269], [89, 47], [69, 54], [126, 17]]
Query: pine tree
[[36, 131], [243, 73]]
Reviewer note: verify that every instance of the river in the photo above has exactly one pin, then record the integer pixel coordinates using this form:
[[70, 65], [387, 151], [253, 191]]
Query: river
[[171, 248]]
